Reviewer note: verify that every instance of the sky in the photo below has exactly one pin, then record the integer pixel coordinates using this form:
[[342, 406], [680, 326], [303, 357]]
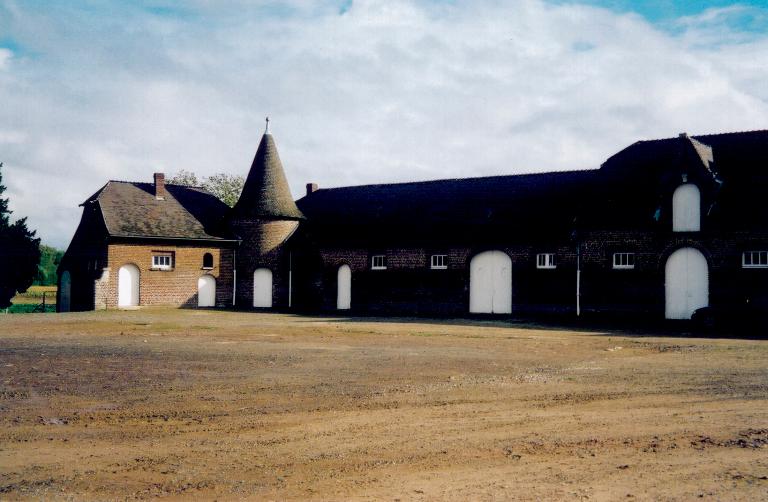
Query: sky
[[358, 91]]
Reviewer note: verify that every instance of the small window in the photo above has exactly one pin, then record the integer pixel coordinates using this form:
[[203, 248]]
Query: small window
[[207, 260], [623, 260], [545, 260], [162, 262], [439, 262], [378, 262], [754, 259]]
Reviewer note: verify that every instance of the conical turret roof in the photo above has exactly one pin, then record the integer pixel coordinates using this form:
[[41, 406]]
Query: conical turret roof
[[266, 193]]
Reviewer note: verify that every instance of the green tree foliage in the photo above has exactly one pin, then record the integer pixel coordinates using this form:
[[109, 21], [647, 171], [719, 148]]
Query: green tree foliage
[[49, 262], [226, 187], [186, 178], [19, 253]]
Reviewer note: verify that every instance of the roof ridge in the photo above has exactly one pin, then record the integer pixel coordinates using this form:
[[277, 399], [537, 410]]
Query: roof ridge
[[466, 178], [151, 183], [708, 135]]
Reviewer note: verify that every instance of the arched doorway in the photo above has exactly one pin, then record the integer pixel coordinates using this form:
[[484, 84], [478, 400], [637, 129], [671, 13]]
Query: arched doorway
[[262, 288], [686, 283], [344, 288], [206, 291], [490, 283], [686, 208], [65, 296], [128, 286]]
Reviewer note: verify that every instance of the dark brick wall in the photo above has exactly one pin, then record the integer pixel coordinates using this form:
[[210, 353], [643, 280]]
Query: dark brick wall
[[641, 290], [263, 245], [408, 285], [85, 259]]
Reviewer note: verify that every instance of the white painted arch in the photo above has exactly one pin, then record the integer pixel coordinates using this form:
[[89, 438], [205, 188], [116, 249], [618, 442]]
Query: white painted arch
[[686, 208], [490, 283], [686, 283], [206, 291], [65, 296], [128, 286], [344, 288], [262, 288]]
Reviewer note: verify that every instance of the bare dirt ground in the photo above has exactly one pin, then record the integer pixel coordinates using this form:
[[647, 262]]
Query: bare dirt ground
[[203, 404]]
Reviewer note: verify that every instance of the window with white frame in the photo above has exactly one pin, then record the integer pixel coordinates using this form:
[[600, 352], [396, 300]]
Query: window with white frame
[[162, 261], [545, 260], [378, 262], [438, 262], [754, 259], [623, 260]]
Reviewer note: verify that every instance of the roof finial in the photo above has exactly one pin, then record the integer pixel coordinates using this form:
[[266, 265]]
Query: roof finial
[[266, 131]]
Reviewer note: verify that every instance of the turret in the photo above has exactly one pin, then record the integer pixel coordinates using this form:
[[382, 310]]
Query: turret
[[264, 218]]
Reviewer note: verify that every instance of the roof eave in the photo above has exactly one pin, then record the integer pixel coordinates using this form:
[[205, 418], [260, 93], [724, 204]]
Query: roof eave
[[167, 238]]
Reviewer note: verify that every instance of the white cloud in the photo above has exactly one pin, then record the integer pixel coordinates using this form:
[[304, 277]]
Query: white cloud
[[385, 91], [5, 58]]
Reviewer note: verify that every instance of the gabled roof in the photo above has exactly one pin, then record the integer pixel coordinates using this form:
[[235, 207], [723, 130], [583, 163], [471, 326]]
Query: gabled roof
[[131, 210], [736, 154], [508, 207], [266, 193]]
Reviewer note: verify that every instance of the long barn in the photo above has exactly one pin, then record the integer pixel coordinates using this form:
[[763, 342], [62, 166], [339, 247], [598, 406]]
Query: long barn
[[663, 228]]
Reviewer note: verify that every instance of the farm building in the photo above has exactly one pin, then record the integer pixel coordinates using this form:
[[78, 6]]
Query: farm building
[[663, 228]]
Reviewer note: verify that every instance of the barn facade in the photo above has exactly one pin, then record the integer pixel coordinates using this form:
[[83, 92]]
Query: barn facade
[[662, 229]]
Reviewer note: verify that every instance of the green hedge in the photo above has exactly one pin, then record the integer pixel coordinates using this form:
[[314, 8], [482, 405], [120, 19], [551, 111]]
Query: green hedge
[[27, 308]]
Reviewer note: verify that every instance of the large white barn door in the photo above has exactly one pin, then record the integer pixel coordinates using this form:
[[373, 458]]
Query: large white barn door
[[65, 297], [262, 287], [206, 291], [490, 283], [686, 283], [128, 286], [344, 288]]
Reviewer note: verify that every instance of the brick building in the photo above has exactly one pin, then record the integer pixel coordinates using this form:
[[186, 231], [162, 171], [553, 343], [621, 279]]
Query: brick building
[[662, 229]]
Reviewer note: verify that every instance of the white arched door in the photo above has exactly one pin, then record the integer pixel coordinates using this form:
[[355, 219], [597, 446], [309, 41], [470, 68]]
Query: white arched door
[[262, 287], [206, 291], [686, 209], [344, 288], [490, 283], [686, 283], [128, 286], [65, 296]]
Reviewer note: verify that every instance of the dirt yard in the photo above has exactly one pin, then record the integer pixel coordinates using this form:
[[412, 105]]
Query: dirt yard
[[202, 404]]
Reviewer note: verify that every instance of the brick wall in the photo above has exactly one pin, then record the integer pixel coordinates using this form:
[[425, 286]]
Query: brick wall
[[641, 290], [177, 286], [409, 286], [84, 260], [263, 246]]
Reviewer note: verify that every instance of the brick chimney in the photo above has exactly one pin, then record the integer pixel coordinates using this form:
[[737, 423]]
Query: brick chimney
[[160, 192], [311, 187]]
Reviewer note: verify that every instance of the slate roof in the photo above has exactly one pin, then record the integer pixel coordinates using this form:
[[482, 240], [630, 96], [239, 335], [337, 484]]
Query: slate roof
[[515, 207], [131, 210], [266, 193]]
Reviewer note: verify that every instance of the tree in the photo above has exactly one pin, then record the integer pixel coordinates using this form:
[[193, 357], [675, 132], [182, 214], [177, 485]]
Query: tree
[[226, 187], [185, 178], [19, 253], [49, 262]]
